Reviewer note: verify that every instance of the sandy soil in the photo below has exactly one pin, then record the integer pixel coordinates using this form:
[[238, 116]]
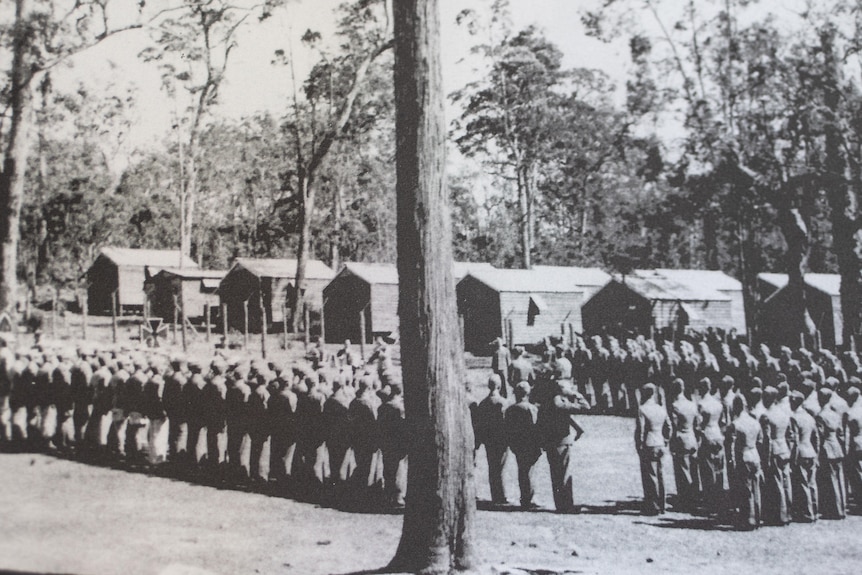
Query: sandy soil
[[61, 516]]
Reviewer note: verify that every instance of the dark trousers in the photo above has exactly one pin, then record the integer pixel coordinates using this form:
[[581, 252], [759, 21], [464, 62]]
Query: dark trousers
[[257, 471], [194, 453], [236, 431], [178, 436], [832, 489], [777, 494], [803, 477], [216, 444], [562, 482], [685, 473], [748, 484], [497, 455], [280, 442], [711, 470], [853, 465], [652, 477], [337, 456], [526, 472]]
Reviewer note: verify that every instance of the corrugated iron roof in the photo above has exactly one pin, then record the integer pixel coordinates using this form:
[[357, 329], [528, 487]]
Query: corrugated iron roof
[[193, 274], [715, 279], [284, 268], [657, 287], [129, 257], [589, 277], [387, 274], [829, 284], [536, 280]]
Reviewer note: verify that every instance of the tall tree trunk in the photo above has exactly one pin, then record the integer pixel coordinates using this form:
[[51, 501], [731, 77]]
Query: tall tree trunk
[[307, 191], [524, 220], [842, 197], [795, 232], [438, 520], [14, 159]]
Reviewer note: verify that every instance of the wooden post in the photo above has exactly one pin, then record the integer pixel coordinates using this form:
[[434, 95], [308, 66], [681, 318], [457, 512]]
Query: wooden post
[[307, 319], [176, 318], [207, 320], [84, 303], [224, 322], [819, 340], [54, 316], [362, 333], [510, 332], [284, 326], [262, 328], [323, 322], [571, 335], [114, 316], [183, 327], [245, 323]]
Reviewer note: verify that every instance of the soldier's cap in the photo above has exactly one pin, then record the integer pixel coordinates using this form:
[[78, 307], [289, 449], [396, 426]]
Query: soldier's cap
[[705, 382], [854, 381], [797, 395], [648, 390], [782, 376], [756, 382], [495, 381], [522, 389], [156, 367], [727, 380], [770, 392], [808, 385], [853, 393], [396, 388], [783, 387], [831, 382], [195, 366], [824, 394], [218, 366], [241, 371]]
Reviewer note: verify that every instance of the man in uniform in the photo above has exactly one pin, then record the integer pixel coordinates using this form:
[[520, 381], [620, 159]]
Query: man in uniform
[[176, 408], [831, 486], [777, 496], [712, 453], [488, 429], [521, 368], [501, 360], [522, 435], [393, 446], [803, 462], [560, 431], [651, 435], [854, 442], [683, 446], [336, 415], [363, 433], [154, 411], [82, 397], [747, 435], [7, 358]]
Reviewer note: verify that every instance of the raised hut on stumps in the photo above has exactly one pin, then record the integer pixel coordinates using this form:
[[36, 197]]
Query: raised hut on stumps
[[672, 302], [124, 270], [251, 283], [523, 306], [193, 290], [823, 299], [365, 295]]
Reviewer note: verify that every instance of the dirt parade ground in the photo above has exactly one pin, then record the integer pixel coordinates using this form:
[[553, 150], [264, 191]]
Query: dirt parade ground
[[63, 516]]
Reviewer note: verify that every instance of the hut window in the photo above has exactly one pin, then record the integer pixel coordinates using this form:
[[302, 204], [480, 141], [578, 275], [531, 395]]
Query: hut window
[[537, 304]]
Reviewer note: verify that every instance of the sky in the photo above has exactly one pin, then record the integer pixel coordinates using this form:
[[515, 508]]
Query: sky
[[253, 84]]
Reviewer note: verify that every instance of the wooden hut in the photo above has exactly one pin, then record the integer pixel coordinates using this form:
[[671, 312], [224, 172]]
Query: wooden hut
[[364, 294], [666, 300], [123, 270], [268, 283], [194, 290], [823, 297], [523, 306]]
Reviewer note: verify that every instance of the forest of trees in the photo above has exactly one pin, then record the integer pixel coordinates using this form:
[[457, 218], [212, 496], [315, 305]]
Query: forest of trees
[[734, 143]]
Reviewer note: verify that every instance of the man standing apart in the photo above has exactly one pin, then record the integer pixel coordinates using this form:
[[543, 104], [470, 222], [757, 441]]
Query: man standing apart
[[651, 434], [560, 433], [488, 428], [501, 360]]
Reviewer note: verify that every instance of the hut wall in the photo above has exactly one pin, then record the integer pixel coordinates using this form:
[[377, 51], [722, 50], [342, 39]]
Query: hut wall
[[737, 310], [384, 309], [775, 324], [617, 310], [131, 294], [194, 301], [345, 296], [103, 280], [527, 328], [237, 286], [479, 306]]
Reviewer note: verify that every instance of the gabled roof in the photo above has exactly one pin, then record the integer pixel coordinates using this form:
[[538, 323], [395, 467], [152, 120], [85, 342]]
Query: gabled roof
[[715, 279], [588, 277], [829, 284], [536, 280], [129, 257], [387, 274], [284, 268], [192, 273], [658, 287]]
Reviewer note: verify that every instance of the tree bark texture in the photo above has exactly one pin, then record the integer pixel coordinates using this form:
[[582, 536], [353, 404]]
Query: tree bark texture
[[842, 197], [15, 159], [438, 519]]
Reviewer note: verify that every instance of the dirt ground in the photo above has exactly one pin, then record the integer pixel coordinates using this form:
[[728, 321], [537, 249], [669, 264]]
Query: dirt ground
[[61, 516]]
